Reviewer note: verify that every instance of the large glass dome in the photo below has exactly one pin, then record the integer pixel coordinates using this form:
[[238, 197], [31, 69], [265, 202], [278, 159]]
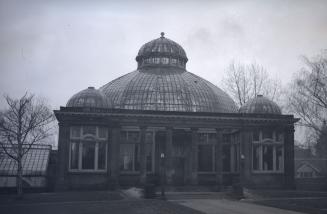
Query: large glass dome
[[161, 83]]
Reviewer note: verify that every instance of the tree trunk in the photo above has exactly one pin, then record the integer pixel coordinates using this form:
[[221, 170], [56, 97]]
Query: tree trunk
[[19, 179]]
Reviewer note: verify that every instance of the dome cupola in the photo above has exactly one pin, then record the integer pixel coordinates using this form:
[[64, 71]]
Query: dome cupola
[[161, 52], [260, 105], [89, 97]]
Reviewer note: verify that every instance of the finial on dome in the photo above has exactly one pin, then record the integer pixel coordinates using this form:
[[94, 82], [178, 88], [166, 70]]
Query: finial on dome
[[162, 35]]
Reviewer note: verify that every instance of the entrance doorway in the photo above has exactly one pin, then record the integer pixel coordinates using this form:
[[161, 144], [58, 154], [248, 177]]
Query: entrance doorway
[[181, 144]]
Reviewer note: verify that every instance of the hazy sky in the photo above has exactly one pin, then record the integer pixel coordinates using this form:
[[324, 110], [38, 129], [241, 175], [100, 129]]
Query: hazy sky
[[57, 48]]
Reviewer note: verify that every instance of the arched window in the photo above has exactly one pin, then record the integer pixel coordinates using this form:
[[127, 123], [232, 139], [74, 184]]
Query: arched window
[[88, 148]]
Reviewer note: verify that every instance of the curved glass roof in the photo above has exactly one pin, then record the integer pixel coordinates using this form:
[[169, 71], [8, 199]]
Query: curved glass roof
[[260, 105], [166, 89], [89, 97]]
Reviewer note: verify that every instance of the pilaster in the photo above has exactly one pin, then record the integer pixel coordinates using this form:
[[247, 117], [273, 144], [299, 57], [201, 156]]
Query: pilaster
[[194, 156], [218, 157], [115, 150], [289, 157], [169, 150], [142, 155]]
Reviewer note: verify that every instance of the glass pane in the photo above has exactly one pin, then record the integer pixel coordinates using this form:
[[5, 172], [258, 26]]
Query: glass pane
[[89, 130], [90, 101], [75, 131], [123, 135], [279, 137], [103, 131], [226, 158], [148, 152], [256, 157], [267, 157], [149, 137], [256, 136], [102, 155], [205, 158], [88, 156], [226, 138], [279, 158], [136, 157], [126, 157], [267, 134], [74, 155], [212, 138], [236, 157], [202, 137], [133, 136]]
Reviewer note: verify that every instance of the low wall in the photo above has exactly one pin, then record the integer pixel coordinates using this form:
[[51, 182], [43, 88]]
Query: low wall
[[313, 184]]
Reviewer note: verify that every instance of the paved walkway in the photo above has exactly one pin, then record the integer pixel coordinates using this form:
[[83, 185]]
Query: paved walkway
[[222, 206], [98, 207]]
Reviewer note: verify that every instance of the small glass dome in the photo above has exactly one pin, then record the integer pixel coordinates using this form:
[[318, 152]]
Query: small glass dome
[[89, 97], [260, 105], [161, 52]]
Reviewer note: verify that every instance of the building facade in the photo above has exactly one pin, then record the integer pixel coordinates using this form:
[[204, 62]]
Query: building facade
[[161, 123]]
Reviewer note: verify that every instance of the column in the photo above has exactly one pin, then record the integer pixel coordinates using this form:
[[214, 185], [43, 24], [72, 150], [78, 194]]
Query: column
[[194, 156], [246, 156], [188, 159], [289, 157], [219, 158], [245, 159], [63, 155], [115, 151], [168, 155], [142, 156]]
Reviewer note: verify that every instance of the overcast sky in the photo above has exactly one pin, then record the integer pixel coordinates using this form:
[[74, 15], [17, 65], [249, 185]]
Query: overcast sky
[[57, 48]]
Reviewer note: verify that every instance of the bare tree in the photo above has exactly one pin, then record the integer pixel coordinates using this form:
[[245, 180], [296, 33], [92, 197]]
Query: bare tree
[[24, 123], [307, 97], [244, 82]]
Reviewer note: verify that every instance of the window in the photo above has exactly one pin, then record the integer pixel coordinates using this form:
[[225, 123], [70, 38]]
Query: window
[[74, 155], [130, 151], [88, 148], [129, 157], [164, 60], [88, 155], [268, 151], [267, 134], [205, 158], [231, 152], [206, 152], [102, 155]]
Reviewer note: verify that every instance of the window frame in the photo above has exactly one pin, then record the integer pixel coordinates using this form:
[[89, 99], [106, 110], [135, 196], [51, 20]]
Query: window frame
[[87, 138], [274, 143], [128, 141], [233, 144], [207, 142]]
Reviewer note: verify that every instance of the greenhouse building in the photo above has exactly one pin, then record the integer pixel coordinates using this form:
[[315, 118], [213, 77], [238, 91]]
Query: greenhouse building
[[162, 123]]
